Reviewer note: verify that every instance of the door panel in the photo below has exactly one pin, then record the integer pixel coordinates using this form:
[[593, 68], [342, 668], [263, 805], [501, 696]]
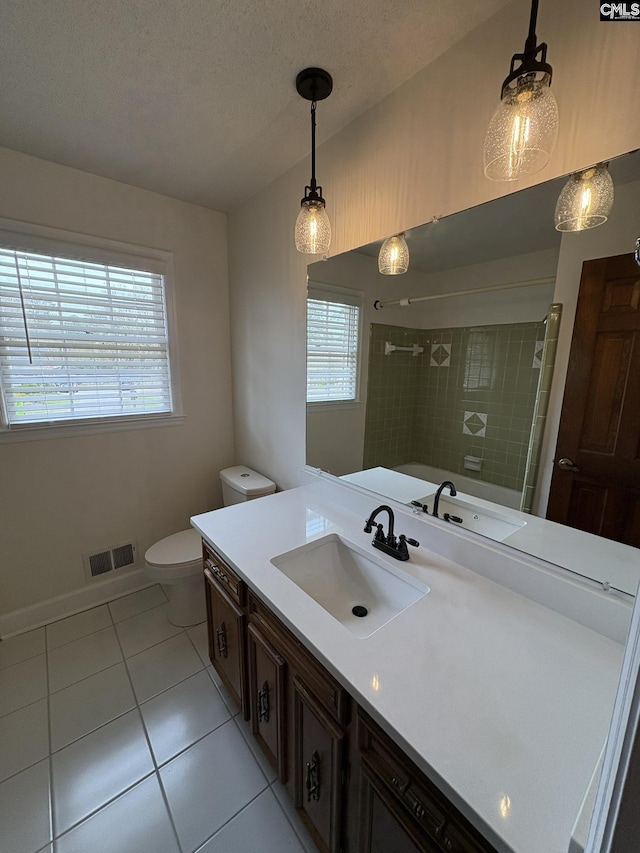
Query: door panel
[[267, 671], [317, 767], [600, 422]]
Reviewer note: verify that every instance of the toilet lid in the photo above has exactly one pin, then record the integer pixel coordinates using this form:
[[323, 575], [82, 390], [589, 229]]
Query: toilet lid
[[176, 550]]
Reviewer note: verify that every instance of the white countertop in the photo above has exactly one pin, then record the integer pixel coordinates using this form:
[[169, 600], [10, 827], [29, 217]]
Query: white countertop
[[592, 556], [504, 703]]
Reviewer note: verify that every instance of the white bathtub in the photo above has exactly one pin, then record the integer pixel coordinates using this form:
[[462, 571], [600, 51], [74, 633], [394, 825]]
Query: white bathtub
[[477, 488]]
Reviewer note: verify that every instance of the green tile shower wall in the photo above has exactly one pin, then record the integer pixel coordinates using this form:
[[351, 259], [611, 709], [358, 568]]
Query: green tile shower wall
[[416, 408]]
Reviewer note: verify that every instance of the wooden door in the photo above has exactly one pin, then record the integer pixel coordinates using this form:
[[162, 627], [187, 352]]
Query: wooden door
[[596, 478], [267, 671]]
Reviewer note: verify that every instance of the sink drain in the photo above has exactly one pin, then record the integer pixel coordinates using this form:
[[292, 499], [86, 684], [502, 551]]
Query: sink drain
[[359, 610]]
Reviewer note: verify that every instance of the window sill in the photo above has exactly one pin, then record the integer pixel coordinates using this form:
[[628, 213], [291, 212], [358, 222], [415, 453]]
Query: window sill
[[333, 404], [38, 432]]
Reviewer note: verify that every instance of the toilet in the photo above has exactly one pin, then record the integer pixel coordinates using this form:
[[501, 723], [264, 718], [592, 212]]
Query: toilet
[[176, 561]]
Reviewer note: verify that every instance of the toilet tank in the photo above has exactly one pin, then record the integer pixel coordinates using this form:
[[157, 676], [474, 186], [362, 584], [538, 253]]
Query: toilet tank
[[240, 483]]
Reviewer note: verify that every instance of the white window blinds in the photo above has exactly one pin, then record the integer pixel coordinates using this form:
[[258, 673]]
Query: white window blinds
[[80, 340], [332, 348]]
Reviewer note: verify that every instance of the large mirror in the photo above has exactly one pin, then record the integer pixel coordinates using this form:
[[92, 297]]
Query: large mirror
[[452, 371]]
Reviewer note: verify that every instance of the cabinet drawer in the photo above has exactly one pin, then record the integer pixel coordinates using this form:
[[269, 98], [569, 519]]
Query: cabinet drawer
[[225, 576], [424, 805], [333, 698]]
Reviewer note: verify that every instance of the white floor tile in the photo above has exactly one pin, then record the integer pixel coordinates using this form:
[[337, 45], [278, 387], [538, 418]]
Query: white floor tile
[[76, 626], [182, 715], [137, 822], [83, 657], [231, 704], [209, 783], [137, 602], [25, 812], [24, 738], [89, 704], [200, 639], [145, 630], [23, 683], [263, 815], [98, 767], [162, 666], [22, 647], [293, 817], [244, 727]]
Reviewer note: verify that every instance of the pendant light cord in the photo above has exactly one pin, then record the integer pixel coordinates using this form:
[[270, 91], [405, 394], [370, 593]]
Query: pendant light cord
[[313, 145], [531, 44]]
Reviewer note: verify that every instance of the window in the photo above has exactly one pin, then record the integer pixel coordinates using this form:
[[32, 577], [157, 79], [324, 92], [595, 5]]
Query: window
[[333, 332], [480, 361], [84, 333]]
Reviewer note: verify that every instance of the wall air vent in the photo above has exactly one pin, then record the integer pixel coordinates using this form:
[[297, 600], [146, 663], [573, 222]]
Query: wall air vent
[[124, 555], [100, 563], [109, 560]]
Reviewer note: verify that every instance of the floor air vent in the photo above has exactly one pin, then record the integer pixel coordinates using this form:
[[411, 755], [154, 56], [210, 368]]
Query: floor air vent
[[112, 559]]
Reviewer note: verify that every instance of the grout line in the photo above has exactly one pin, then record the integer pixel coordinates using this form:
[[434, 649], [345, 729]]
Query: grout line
[[222, 826], [50, 759], [104, 805], [163, 793]]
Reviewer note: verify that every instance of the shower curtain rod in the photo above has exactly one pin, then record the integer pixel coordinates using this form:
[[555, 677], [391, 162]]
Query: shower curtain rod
[[409, 300]]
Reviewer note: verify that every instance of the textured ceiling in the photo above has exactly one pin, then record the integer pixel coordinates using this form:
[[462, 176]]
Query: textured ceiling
[[196, 98]]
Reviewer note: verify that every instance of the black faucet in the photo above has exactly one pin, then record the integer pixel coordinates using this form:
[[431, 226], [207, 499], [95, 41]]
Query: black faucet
[[452, 491], [395, 547]]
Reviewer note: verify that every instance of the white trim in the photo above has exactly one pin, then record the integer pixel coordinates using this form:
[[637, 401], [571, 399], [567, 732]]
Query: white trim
[[37, 432], [620, 743], [123, 583]]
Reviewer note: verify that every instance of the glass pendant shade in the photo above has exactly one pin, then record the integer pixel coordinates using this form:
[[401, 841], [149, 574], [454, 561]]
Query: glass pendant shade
[[393, 258], [586, 200], [313, 228], [523, 130]]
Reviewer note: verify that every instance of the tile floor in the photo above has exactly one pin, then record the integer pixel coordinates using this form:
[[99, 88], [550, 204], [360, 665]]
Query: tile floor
[[116, 736]]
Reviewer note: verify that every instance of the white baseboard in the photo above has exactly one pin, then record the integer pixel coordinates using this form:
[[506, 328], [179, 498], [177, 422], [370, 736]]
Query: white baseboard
[[52, 609]]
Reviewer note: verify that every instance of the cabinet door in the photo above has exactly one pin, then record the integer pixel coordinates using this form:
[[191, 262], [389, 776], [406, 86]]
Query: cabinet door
[[383, 826], [267, 671], [227, 627], [318, 769]]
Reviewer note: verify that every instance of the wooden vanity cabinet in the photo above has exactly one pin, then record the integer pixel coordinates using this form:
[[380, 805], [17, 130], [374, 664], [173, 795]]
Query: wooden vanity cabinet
[[353, 787], [312, 727], [399, 808], [227, 627]]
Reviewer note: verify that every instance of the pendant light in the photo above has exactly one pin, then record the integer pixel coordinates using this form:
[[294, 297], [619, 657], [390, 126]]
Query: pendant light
[[586, 199], [393, 258], [524, 127], [313, 229]]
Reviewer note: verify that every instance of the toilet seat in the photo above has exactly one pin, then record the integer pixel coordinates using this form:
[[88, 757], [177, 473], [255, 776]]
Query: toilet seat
[[175, 557]]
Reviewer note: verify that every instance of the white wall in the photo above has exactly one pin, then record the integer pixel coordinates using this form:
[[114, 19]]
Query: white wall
[[65, 496], [414, 155]]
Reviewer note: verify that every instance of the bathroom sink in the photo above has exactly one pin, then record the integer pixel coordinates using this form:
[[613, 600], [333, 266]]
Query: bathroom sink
[[358, 589], [495, 525]]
